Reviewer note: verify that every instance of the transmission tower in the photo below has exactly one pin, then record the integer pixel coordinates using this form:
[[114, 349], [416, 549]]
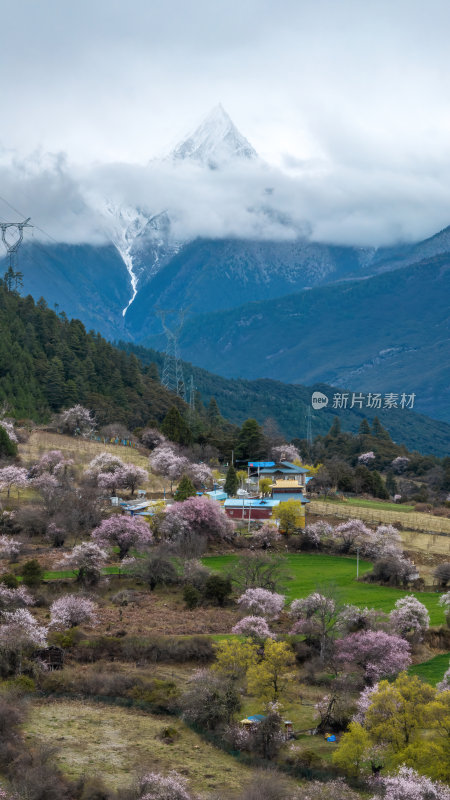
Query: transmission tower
[[12, 247], [309, 438], [191, 394], [172, 375]]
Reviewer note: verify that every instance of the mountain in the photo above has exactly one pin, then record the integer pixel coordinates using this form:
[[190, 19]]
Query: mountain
[[289, 406], [389, 333], [151, 261], [215, 142], [223, 274], [85, 281]]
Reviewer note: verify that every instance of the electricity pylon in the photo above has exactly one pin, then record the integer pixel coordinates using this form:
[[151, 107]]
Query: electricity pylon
[[12, 247], [172, 375]]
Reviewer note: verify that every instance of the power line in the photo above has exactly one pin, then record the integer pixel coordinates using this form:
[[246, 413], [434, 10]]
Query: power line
[[23, 215]]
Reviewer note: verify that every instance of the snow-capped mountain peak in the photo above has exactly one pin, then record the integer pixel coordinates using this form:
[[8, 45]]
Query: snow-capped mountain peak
[[215, 142]]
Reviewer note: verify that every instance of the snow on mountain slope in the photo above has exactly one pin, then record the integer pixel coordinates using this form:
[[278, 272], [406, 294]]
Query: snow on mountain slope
[[215, 142]]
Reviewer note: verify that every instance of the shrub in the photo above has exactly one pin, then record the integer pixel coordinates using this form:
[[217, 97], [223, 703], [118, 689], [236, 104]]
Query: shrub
[[156, 569], [217, 589], [9, 580], [191, 596], [442, 575], [210, 701], [32, 573]]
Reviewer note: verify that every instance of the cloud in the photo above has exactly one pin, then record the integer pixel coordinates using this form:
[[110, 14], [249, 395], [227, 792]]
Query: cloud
[[347, 104]]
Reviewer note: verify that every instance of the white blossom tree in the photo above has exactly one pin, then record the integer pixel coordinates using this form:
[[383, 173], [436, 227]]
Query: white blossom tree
[[12, 476], [88, 558], [77, 421], [10, 548], [410, 618], [262, 603], [410, 785], [71, 610]]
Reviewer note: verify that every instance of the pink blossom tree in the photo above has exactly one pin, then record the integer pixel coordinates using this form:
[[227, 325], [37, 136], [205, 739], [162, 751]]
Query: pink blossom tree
[[9, 548], [376, 653], [104, 462], [154, 786], [200, 475], [71, 610], [123, 532], [410, 618], [46, 484], [152, 438], [47, 463], [167, 461], [285, 452], [317, 617], [317, 532], [200, 516], [351, 534], [131, 476], [254, 627], [13, 476], [267, 535], [262, 603], [367, 458], [410, 785], [88, 558], [364, 702], [77, 421]]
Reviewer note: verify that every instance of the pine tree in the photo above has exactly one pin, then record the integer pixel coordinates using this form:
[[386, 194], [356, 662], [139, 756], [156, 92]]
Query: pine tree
[[378, 430], [231, 481], [251, 443], [364, 428], [175, 428], [391, 484], [185, 489], [213, 413], [378, 487], [7, 447], [335, 429]]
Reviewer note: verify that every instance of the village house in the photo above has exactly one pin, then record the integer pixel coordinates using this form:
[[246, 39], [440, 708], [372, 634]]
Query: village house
[[276, 471]]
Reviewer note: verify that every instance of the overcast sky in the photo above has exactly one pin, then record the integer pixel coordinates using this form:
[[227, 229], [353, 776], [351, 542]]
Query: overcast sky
[[351, 99]]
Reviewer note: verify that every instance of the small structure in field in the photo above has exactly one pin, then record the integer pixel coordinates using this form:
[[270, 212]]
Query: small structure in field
[[52, 657]]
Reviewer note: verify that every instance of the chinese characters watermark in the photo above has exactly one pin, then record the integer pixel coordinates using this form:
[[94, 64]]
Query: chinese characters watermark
[[359, 400]]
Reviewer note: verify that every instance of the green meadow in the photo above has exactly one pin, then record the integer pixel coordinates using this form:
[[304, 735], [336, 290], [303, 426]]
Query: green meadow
[[308, 571]]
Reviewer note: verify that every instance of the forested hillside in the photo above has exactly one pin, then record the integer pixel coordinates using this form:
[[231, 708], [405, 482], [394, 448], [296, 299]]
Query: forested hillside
[[48, 362], [287, 404]]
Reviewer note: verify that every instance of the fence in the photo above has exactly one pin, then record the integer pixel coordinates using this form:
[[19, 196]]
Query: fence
[[411, 520]]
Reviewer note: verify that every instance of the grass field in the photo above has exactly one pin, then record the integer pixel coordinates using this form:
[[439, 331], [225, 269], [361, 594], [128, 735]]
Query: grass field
[[378, 504], [115, 743], [309, 571], [374, 513], [432, 671]]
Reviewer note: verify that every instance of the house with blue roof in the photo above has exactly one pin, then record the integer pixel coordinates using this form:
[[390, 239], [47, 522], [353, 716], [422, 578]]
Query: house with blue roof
[[276, 471]]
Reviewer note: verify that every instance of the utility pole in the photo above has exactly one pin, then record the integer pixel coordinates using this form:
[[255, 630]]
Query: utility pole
[[13, 246]]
